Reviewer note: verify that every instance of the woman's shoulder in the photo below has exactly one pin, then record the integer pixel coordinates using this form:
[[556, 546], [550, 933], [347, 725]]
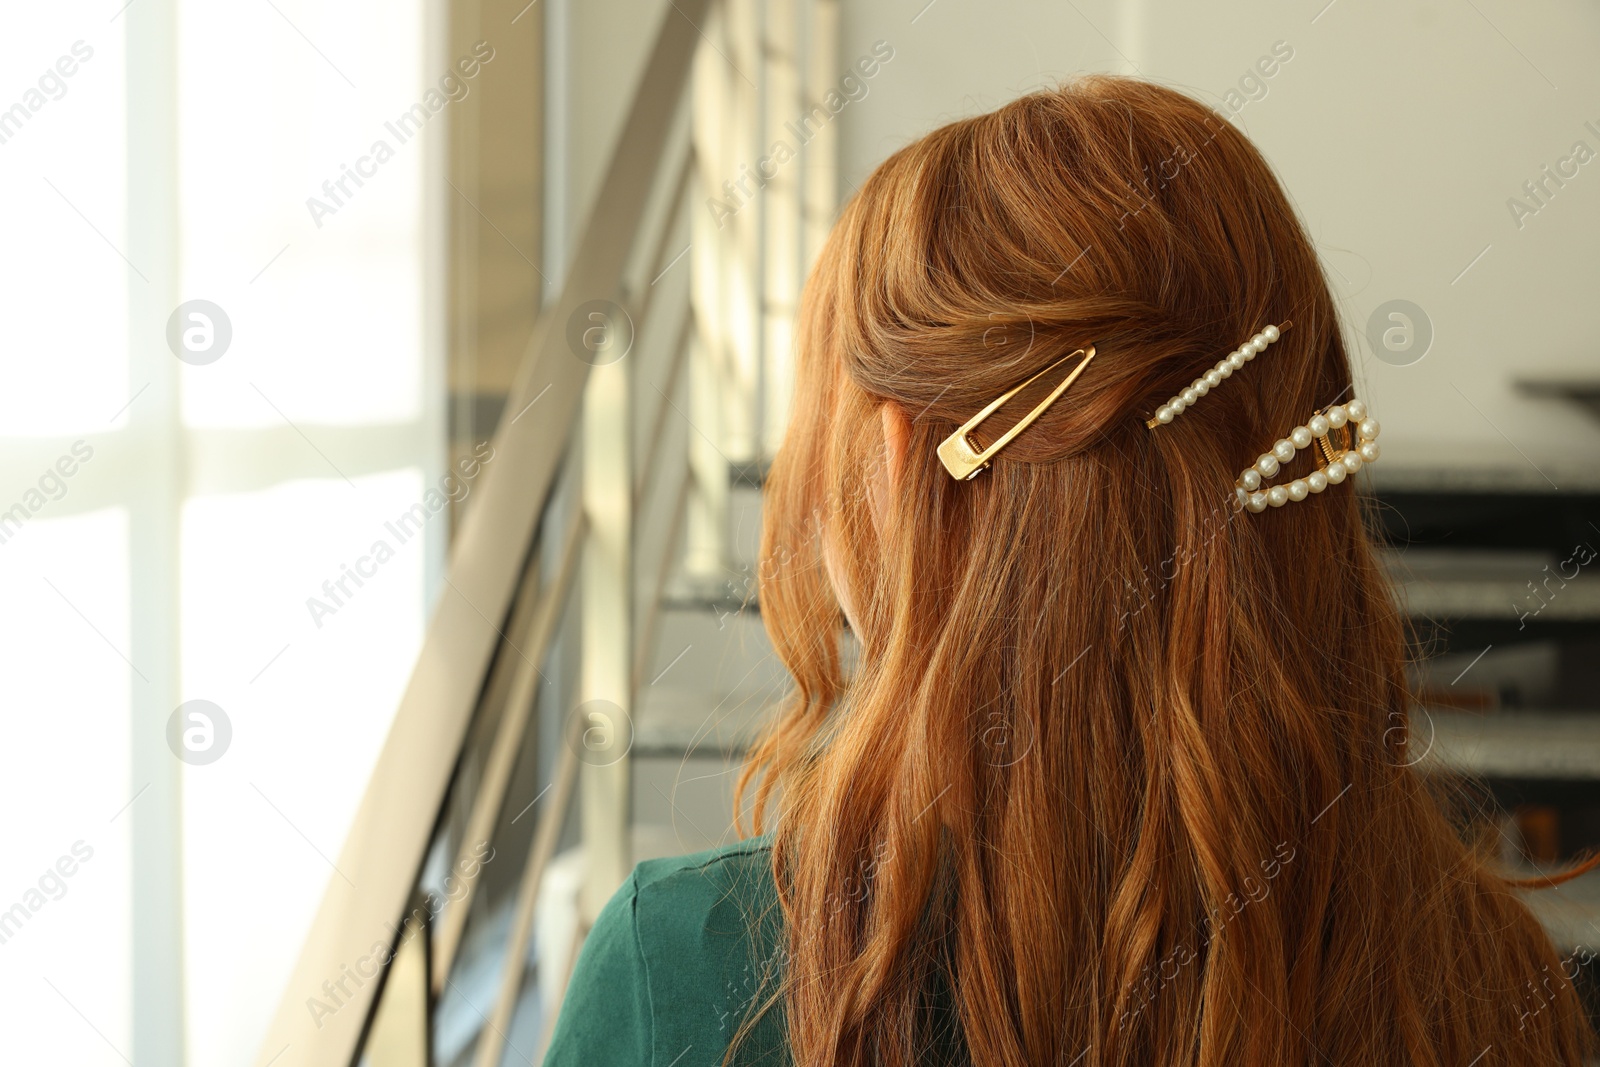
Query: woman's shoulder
[[709, 929], [687, 948], [730, 877]]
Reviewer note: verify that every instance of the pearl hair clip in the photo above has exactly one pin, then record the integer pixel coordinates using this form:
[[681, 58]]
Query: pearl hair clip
[[1340, 461], [1213, 377]]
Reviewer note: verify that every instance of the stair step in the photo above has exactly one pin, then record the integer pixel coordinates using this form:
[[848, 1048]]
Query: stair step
[[711, 685], [682, 722]]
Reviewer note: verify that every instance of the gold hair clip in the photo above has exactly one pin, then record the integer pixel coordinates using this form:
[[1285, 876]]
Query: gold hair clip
[[965, 462]]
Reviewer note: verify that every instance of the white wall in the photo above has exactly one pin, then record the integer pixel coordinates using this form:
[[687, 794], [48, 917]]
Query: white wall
[[601, 48], [1400, 130]]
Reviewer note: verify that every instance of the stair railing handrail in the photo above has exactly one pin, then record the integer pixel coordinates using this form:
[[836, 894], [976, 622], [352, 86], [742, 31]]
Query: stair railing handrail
[[383, 852]]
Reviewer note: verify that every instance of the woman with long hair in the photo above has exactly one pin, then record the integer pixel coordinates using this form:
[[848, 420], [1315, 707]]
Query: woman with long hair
[[1120, 772]]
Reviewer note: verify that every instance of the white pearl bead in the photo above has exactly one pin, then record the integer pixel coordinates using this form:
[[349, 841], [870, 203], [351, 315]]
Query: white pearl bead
[[1235, 360], [1357, 409], [1271, 333], [1163, 415], [1284, 449], [1257, 503], [1368, 451], [1257, 343], [1369, 429], [1316, 481], [1351, 461], [1318, 425], [1200, 387], [1336, 416], [1277, 496], [1251, 479], [1176, 404], [1336, 472], [1240, 497], [1298, 489], [1213, 377], [1267, 464], [1300, 436], [1189, 396], [1223, 369]]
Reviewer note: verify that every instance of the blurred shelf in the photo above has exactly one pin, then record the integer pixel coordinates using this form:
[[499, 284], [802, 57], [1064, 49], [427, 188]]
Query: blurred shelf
[[1500, 586], [1551, 745], [1583, 391], [1510, 475], [1570, 912]]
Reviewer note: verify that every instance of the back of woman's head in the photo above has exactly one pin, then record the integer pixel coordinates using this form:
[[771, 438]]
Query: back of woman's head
[[1120, 776]]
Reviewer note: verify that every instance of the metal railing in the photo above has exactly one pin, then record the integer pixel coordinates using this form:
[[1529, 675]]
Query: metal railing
[[390, 834], [610, 484]]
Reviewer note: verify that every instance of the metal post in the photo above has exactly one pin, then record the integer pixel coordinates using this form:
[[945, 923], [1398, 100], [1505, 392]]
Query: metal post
[[714, 220], [780, 223], [155, 822], [606, 675]]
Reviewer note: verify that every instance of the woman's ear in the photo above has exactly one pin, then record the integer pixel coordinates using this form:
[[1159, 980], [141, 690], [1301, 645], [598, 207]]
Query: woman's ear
[[896, 438], [896, 442]]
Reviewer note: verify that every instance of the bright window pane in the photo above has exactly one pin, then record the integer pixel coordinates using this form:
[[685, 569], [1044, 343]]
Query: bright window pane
[[275, 101], [309, 696], [64, 872], [63, 338]]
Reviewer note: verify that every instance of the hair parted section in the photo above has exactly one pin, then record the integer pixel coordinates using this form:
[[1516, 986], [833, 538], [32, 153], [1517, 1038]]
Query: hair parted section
[[1121, 776]]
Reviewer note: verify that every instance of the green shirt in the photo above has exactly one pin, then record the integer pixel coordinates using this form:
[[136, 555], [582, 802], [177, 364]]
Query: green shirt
[[685, 951]]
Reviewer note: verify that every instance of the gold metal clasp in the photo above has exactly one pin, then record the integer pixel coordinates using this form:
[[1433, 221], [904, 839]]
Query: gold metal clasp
[[963, 461]]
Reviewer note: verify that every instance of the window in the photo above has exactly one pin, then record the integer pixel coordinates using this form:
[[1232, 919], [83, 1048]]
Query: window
[[204, 528]]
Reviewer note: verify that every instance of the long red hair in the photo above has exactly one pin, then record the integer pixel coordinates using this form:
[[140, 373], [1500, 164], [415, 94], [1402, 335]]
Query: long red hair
[[1120, 774]]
